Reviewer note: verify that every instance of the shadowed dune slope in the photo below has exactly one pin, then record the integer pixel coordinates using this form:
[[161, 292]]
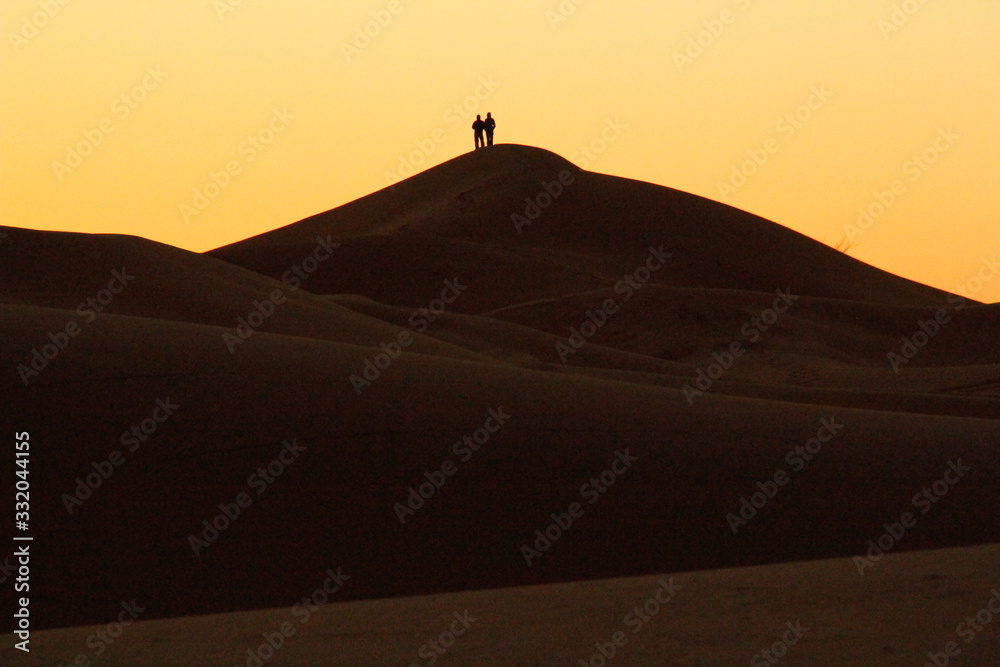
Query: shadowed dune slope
[[334, 501], [88, 275], [374, 342], [597, 228]]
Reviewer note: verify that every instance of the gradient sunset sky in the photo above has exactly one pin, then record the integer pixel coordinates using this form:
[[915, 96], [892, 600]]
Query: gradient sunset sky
[[201, 122]]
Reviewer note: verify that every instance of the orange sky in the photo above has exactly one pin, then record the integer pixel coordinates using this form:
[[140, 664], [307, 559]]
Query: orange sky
[[207, 121]]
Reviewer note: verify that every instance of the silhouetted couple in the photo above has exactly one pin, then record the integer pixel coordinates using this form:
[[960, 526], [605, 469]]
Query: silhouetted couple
[[480, 126]]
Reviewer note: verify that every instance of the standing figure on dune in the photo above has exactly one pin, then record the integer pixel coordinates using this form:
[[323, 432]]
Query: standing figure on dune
[[478, 128], [490, 125]]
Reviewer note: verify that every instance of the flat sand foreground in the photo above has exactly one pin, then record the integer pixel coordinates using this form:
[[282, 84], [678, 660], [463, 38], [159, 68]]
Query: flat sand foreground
[[816, 613]]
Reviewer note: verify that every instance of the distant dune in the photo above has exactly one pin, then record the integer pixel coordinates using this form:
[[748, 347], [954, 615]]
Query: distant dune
[[509, 330]]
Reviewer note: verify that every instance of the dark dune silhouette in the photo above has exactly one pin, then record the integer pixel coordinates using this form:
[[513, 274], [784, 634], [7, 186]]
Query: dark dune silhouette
[[466, 204], [518, 290]]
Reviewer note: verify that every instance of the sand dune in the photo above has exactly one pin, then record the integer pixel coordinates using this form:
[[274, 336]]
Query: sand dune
[[598, 226], [355, 352], [916, 606], [94, 275]]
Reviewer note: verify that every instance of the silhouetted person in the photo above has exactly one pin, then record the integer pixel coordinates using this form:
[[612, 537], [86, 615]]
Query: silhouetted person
[[489, 125], [478, 128]]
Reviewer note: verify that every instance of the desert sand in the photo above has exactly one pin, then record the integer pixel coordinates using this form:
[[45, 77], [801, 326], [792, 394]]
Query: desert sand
[[914, 606], [409, 386]]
